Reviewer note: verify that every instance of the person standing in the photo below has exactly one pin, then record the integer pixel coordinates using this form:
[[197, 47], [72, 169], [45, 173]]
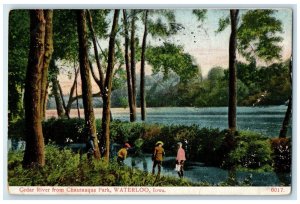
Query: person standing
[[180, 159], [122, 154], [157, 157], [90, 148]]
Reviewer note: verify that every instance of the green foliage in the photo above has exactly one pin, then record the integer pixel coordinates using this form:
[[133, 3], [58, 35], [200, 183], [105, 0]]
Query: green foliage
[[258, 35], [256, 85], [65, 39], [65, 168], [18, 49], [223, 23], [245, 151], [201, 14], [253, 151], [170, 57], [64, 131], [282, 157]]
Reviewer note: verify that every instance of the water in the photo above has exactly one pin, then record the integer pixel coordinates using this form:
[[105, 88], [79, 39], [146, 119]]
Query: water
[[198, 172], [265, 120]]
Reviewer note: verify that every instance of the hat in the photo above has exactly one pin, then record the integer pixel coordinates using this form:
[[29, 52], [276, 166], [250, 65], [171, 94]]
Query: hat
[[127, 145], [159, 142], [179, 143]]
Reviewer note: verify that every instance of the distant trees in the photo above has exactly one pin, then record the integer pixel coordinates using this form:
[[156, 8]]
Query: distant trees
[[38, 61]]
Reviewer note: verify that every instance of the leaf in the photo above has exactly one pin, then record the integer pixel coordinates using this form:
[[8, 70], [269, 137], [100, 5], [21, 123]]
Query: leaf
[[223, 23]]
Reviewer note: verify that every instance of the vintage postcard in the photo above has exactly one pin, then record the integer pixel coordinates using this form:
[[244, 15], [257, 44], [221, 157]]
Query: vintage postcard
[[150, 101]]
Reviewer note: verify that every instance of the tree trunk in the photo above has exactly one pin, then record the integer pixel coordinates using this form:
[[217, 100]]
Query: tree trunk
[[232, 71], [76, 91], [101, 83], [70, 101], [57, 97], [63, 100], [108, 85], [132, 61], [48, 15], [128, 71], [85, 78], [142, 83], [34, 152], [288, 113]]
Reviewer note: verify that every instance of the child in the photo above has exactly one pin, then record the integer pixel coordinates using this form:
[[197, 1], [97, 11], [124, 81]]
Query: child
[[122, 154], [157, 158], [180, 159]]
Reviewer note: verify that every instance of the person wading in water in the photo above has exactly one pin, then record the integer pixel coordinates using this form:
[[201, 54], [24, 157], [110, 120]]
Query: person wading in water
[[157, 157], [180, 159]]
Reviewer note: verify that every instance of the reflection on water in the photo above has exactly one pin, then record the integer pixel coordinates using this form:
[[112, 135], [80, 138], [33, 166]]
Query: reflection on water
[[198, 172]]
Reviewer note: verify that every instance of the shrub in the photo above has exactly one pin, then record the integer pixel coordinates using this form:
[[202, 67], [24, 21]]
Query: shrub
[[281, 154], [252, 152]]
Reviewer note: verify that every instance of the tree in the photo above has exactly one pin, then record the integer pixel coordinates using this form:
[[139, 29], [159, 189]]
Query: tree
[[48, 54], [255, 36], [232, 71], [85, 78], [56, 89], [108, 86], [142, 83], [132, 63], [128, 70], [169, 58], [156, 29], [288, 113], [19, 28], [39, 56]]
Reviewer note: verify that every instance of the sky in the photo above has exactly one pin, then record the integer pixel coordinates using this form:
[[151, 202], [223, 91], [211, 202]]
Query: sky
[[210, 49]]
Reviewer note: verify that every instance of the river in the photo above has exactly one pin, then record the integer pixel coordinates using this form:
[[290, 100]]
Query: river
[[266, 120], [198, 172]]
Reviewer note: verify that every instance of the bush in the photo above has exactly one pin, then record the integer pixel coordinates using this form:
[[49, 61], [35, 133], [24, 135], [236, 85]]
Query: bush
[[252, 152], [281, 154], [65, 131]]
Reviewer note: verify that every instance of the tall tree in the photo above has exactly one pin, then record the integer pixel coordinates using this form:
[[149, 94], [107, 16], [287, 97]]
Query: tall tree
[[255, 37], [48, 54], [108, 85], [128, 70], [85, 78], [142, 82], [133, 63], [288, 113], [232, 70], [37, 59], [157, 28]]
